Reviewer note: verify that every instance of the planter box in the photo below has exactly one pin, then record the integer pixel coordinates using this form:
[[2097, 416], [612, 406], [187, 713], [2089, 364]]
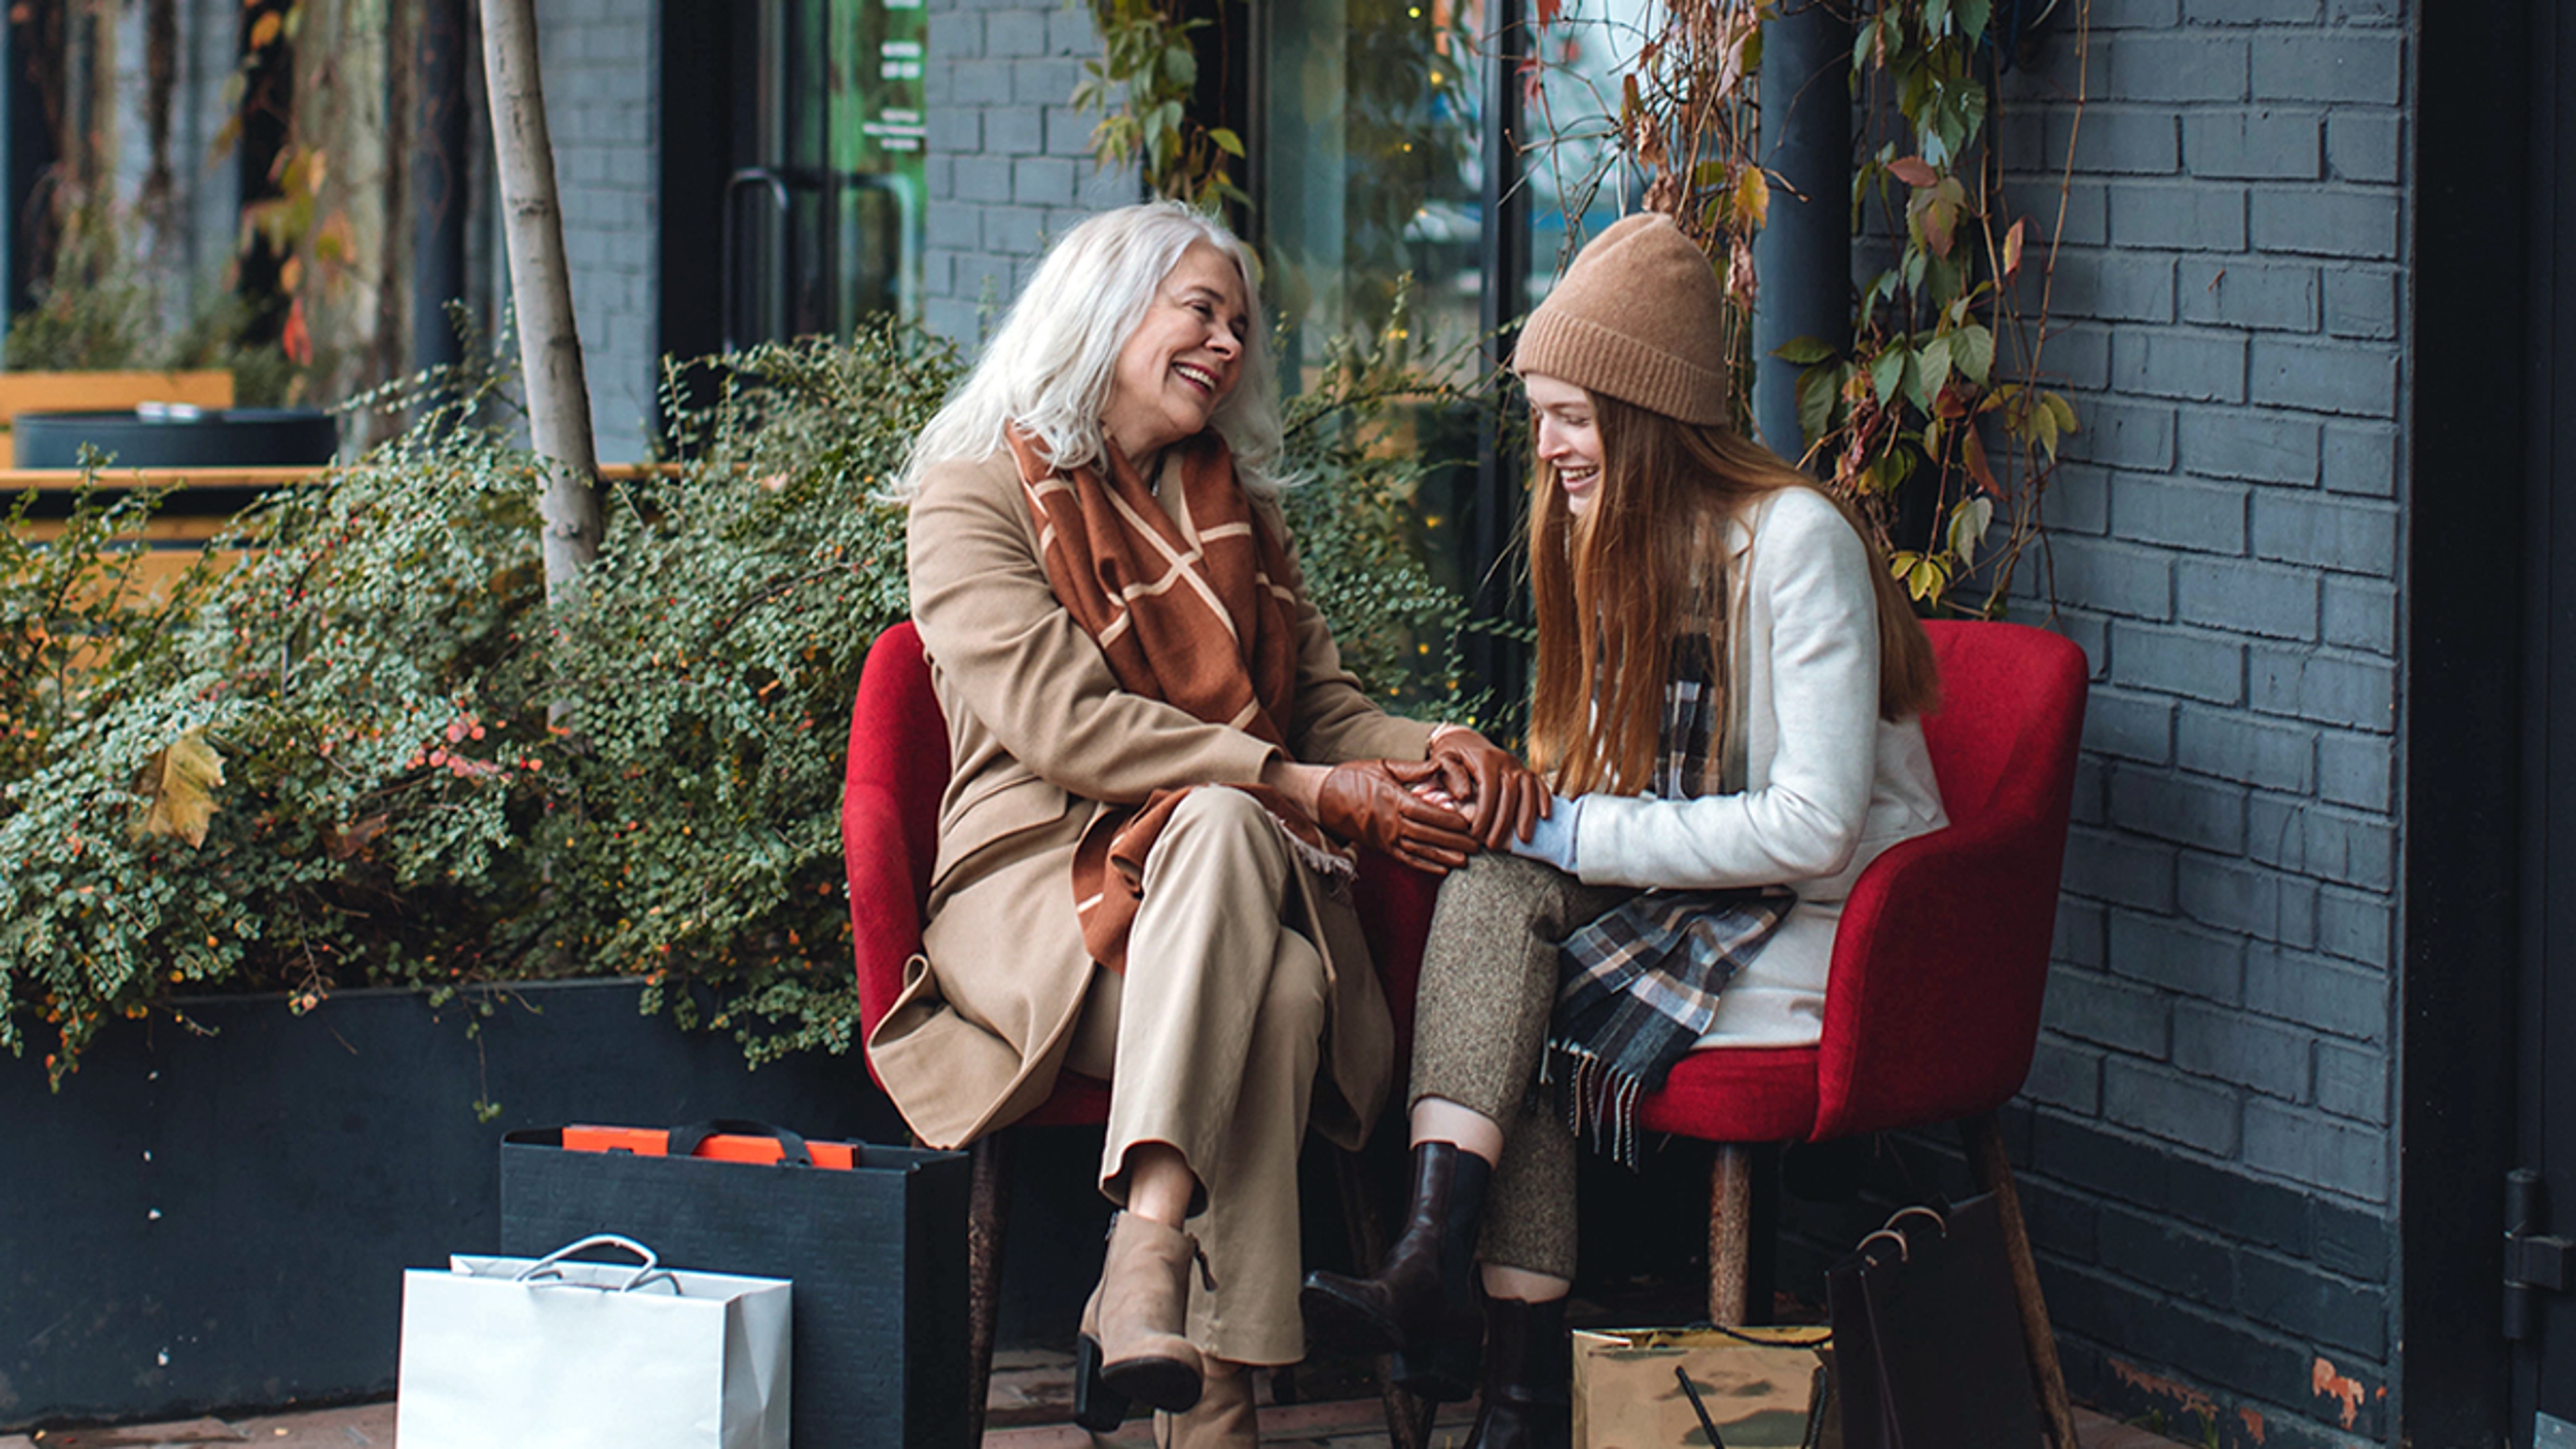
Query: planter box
[[197, 1223]]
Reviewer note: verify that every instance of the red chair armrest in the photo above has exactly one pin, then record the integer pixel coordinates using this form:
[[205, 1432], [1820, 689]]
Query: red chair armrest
[[1939, 966]]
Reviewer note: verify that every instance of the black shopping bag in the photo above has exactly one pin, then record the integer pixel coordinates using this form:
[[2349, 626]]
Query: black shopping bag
[[876, 1250], [1928, 1350]]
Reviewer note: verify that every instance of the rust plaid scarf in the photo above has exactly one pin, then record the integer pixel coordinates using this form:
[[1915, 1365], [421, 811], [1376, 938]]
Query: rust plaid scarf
[[1192, 610]]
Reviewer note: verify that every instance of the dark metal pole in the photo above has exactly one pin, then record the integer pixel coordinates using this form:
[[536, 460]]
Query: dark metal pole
[[1803, 255], [438, 189], [1500, 664]]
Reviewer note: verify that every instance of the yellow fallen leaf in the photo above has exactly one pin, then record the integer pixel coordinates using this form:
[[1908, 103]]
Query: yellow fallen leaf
[[1752, 198], [179, 781]]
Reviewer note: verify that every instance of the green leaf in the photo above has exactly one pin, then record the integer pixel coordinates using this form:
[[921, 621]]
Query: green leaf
[[1880, 288], [1975, 17], [1818, 388], [1972, 350], [1969, 519], [1936, 364], [1181, 65], [1918, 377], [1887, 373], [1804, 351], [1226, 141]]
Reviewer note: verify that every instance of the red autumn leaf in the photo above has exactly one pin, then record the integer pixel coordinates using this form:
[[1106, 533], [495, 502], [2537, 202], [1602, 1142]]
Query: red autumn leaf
[[297, 339], [1913, 171], [1974, 455], [2012, 249]]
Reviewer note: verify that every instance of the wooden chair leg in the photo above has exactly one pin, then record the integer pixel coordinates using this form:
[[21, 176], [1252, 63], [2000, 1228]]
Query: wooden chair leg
[[1985, 1143], [1408, 1419], [988, 1214], [1730, 1234]]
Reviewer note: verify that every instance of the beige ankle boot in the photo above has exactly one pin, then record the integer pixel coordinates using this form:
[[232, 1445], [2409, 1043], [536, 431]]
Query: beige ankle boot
[[1223, 1419], [1136, 1326]]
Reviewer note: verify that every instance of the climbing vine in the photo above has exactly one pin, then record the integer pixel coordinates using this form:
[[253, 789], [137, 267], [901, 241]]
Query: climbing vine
[[1938, 413], [1933, 421], [1140, 87]]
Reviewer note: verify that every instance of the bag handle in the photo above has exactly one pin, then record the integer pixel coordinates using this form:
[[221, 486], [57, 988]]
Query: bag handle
[[550, 1266], [792, 1151], [1690, 1391], [1894, 1232]]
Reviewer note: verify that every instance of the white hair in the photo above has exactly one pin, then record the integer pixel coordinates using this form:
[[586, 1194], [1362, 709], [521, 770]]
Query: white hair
[[1050, 366]]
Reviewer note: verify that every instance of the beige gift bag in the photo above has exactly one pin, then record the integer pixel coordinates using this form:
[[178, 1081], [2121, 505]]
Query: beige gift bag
[[1763, 1388]]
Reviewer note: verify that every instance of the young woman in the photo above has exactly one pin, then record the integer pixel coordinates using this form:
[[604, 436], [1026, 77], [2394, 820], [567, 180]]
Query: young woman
[[1727, 689], [1157, 757]]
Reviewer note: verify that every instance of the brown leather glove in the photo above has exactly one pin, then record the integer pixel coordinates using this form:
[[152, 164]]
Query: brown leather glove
[[1372, 802], [1501, 796]]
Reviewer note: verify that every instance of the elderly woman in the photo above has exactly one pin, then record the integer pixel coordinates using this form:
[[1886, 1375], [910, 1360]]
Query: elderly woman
[[1159, 765]]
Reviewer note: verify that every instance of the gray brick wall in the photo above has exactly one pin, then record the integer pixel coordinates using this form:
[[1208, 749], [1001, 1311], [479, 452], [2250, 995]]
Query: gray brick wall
[[1009, 165], [2209, 1157], [600, 71]]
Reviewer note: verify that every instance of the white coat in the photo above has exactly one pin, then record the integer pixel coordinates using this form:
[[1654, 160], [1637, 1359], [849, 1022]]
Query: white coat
[[1827, 783]]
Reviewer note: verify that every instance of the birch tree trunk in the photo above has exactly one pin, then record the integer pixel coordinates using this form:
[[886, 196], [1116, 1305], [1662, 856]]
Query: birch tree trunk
[[541, 286]]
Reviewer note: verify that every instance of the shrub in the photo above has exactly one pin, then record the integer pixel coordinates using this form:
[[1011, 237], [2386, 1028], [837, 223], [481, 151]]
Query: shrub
[[367, 753]]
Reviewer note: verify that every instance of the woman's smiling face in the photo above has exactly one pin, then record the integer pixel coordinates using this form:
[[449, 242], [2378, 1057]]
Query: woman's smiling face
[[1566, 437], [1184, 357]]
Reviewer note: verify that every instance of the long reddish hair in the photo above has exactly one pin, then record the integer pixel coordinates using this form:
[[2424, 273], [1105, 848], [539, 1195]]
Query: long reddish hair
[[1616, 588]]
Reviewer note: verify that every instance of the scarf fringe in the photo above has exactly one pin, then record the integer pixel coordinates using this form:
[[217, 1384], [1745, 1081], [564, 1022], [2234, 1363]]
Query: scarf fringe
[[1598, 1100], [1321, 859]]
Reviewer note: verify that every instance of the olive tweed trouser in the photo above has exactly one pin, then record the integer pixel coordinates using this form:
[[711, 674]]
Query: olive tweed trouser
[[1489, 979]]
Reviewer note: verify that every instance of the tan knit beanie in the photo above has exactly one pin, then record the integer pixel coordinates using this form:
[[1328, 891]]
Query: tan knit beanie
[[1635, 317]]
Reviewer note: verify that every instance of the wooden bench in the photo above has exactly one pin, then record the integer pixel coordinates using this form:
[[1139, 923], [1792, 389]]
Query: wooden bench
[[108, 392], [173, 541]]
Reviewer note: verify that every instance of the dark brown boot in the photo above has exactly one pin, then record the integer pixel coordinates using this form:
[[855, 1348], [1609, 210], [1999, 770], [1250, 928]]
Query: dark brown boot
[[1421, 1305], [1529, 1366]]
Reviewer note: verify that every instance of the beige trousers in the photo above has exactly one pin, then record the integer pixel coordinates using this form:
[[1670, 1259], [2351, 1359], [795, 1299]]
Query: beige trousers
[[1489, 978], [1210, 1043]]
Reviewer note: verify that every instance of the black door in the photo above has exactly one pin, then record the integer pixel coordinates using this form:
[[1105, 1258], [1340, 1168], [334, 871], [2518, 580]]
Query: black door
[[2540, 1205], [793, 194], [822, 213]]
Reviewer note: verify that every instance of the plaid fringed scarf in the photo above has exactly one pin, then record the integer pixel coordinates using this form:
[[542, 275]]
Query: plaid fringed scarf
[[1192, 611], [1638, 986]]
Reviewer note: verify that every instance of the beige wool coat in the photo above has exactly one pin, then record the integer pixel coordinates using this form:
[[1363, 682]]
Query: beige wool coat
[[1041, 740]]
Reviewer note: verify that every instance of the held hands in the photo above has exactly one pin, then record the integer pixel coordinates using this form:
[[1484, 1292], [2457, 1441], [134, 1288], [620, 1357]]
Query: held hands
[[1375, 803], [1500, 797]]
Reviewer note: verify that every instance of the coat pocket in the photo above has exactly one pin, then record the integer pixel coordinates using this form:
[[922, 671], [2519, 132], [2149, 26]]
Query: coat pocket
[[992, 816]]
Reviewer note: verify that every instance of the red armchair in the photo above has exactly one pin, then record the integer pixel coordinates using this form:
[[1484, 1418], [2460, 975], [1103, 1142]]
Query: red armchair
[[897, 769], [1932, 1009]]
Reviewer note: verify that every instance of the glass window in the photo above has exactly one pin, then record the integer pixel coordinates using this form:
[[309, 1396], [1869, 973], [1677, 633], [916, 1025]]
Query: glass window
[[824, 211], [1372, 178], [1570, 116]]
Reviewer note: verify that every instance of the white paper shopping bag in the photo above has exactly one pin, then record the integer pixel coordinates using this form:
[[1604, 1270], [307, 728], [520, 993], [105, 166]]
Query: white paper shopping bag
[[505, 1352]]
